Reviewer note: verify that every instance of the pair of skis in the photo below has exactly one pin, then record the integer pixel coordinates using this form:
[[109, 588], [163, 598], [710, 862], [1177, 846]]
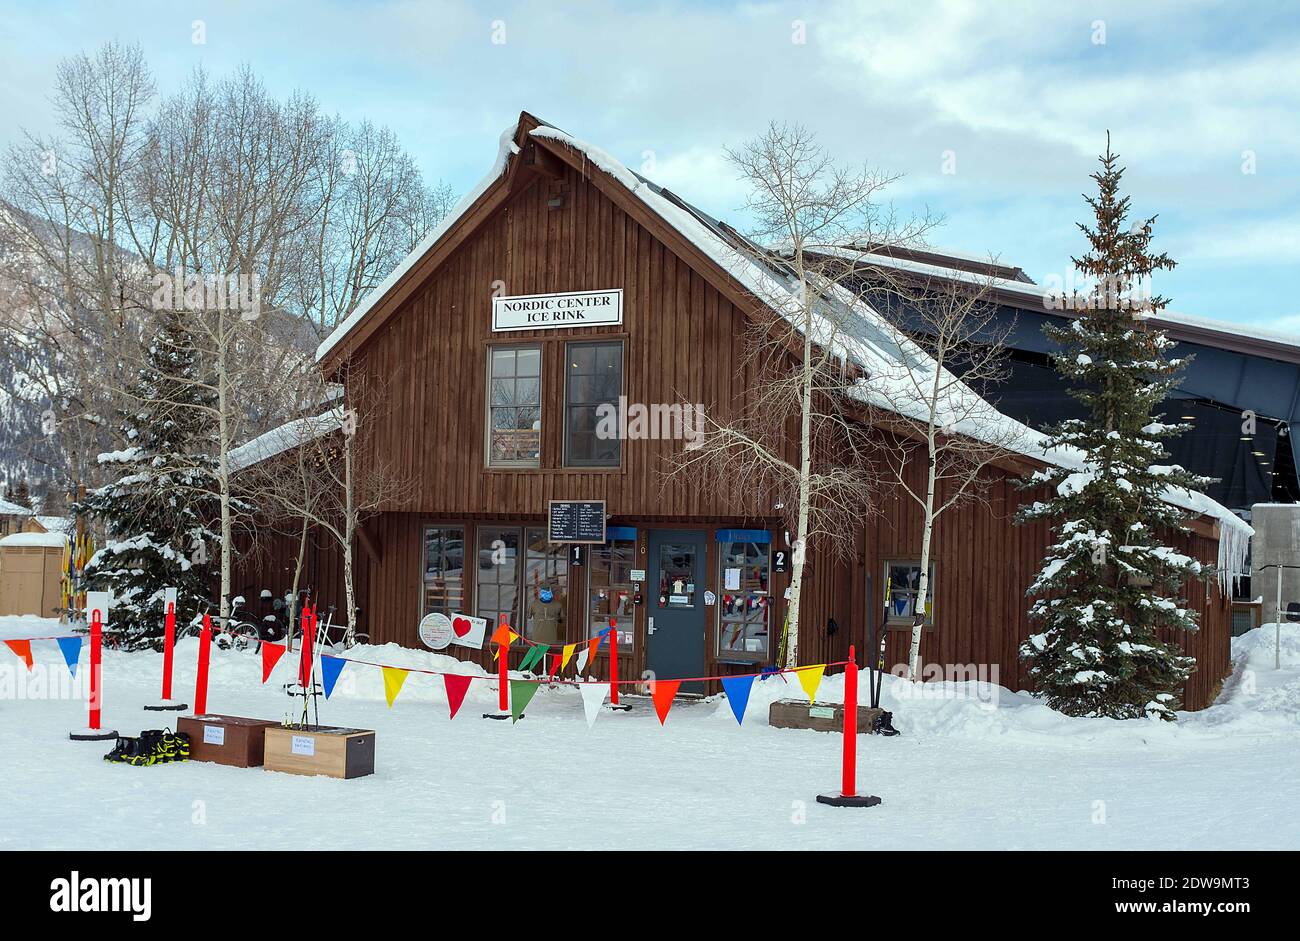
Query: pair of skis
[[883, 724]]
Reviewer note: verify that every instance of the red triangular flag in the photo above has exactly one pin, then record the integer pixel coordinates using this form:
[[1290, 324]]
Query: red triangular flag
[[457, 685], [555, 664], [271, 654], [662, 692], [23, 648]]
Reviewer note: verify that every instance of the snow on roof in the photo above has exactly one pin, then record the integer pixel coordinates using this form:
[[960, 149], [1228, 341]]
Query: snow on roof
[[14, 509], [871, 341], [56, 524], [281, 439], [50, 540]]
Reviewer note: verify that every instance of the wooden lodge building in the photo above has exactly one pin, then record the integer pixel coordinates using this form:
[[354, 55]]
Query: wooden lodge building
[[561, 282]]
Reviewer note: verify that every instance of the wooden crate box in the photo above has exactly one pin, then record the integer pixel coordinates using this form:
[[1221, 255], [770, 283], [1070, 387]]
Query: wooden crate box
[[226, 740], [335, 752], [821, 717]]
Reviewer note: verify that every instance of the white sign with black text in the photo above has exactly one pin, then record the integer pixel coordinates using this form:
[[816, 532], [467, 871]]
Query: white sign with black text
[[552, 311]]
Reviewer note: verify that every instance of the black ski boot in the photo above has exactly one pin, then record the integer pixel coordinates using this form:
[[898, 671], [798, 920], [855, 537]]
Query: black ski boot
[[149, 750], [122, 750], [883, 724]]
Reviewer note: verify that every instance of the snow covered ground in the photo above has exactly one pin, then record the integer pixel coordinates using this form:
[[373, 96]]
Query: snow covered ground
[[980, 767]]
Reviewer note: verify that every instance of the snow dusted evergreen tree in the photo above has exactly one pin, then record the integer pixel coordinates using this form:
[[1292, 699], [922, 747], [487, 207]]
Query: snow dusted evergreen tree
[[1108, 583], [156, 513]]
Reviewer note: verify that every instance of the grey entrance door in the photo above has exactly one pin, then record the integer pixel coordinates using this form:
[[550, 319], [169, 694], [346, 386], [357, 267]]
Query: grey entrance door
[[675, 597]]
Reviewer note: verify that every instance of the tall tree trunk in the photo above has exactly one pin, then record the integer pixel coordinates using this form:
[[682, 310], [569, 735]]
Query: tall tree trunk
[[923, 589], [805, 498], [223, 468]]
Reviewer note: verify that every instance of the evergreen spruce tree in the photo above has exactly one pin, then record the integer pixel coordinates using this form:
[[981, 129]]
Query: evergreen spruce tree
[[21, 494], [1109, 584], [156, 512]]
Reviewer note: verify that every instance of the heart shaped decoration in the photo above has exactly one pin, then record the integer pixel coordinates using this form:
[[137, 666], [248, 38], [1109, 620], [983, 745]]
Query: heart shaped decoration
[[461, 626]]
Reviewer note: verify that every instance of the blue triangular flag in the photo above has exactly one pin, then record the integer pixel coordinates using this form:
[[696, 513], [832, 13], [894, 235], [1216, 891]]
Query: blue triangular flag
[[737, 689], [71, 647], [330, 668]]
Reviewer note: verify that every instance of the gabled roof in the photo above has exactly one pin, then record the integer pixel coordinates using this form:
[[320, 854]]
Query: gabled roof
[[747, 273]]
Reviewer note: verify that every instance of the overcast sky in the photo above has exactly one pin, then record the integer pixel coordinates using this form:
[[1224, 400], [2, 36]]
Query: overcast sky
[[1016, 97]]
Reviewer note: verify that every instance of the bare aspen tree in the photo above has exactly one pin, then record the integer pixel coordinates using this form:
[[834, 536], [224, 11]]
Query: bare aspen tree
[[800, 441], [931, 408], [328, 475], [70, 292]]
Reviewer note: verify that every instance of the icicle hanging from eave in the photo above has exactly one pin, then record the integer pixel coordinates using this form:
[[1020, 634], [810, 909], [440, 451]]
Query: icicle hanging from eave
[[1234, 544]]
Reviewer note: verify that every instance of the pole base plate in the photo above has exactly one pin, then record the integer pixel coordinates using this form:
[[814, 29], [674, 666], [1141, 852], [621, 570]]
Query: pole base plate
[[92, 735], [167, 705], [502, 715], [841, 800]]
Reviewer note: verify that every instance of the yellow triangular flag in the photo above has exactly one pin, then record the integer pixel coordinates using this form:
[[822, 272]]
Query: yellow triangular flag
[[566, 654], [394, 677], [810, 678]]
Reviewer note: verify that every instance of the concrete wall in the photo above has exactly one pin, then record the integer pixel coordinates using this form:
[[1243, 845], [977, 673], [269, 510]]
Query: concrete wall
[[1277, 540]]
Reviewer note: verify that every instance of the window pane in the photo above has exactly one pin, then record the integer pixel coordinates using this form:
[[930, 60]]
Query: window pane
[[514, 407], [444, 570], [745, 604], [529, 361], [503, 362], [594, 377], [609, 586], [677, 575], [546, 588], [498, 555]]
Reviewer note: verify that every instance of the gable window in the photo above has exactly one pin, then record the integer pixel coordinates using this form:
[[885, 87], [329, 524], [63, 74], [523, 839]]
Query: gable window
[[593, 377], [514, 406], [904, 581]]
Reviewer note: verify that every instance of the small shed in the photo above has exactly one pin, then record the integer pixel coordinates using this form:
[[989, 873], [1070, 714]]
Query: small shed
[[31, 566]]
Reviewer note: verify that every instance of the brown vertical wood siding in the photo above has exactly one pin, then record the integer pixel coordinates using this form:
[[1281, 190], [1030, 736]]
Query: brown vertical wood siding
[[683, 341]]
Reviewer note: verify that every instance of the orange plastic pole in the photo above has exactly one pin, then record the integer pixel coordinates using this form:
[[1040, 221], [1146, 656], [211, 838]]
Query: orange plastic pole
[[201, 681], [503, 668], [849, 786], [169, 641], [96, 639], [613, 661]]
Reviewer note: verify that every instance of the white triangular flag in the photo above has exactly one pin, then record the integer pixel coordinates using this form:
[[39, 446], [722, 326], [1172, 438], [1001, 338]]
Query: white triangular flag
[[582, 661], [593, 695]]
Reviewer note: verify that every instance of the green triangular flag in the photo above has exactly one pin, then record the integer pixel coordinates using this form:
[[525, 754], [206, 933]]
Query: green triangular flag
[[521, 694], [536, 654]]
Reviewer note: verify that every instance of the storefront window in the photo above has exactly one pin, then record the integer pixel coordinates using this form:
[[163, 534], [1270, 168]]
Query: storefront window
[[546, 588], [744, 604], [498, 573], [593, 377], [444, 569], [677, 575], [904, 581], [515, 406], [610, 589]]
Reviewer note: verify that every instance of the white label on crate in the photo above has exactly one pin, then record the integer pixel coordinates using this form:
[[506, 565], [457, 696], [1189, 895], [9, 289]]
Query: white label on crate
[[821, 712], [214, 735], [303, 745]]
